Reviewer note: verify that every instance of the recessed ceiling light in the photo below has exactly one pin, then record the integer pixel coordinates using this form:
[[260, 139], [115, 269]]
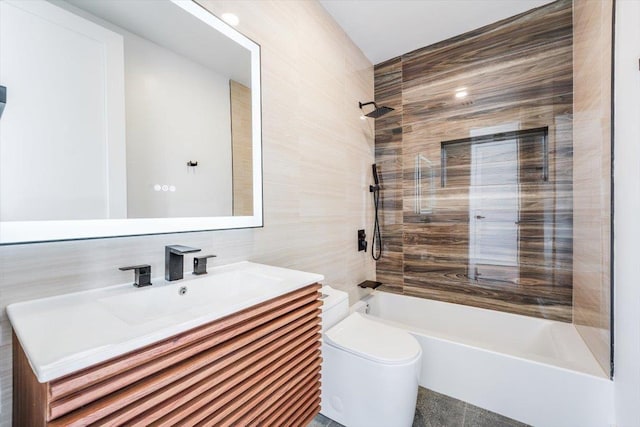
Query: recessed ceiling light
[[461, 93], [231, 18]]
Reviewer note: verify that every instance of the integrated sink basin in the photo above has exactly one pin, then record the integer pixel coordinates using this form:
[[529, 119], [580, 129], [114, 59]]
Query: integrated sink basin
[[66, 333], [189, 298]]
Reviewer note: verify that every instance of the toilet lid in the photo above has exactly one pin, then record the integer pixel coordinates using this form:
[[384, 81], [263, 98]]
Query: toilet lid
[[373, 340]]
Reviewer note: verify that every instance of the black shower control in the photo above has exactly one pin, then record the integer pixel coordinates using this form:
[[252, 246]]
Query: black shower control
[[362, 241]]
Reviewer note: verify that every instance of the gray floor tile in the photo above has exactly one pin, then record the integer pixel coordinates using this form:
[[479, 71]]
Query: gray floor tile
[[437, 410], [478, 417], [320, 421]]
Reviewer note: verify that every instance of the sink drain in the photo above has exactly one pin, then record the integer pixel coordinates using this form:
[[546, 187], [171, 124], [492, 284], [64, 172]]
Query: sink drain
[[182, 290]]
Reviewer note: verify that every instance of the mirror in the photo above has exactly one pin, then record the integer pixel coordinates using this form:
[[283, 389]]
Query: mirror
[[127, 117]]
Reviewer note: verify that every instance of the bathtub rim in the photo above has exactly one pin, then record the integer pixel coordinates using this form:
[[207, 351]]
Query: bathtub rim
[[592, 371]]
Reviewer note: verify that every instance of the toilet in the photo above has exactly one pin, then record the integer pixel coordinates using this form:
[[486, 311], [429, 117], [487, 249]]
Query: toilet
[[370, 370]]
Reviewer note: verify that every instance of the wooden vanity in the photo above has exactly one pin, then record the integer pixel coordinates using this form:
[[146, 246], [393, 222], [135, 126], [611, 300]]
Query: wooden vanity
[[259, 366]]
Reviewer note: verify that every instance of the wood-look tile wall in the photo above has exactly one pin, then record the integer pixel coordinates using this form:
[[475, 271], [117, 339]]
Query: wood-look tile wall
[[592, 41], [317, 162], [241, 149], [518, 75]]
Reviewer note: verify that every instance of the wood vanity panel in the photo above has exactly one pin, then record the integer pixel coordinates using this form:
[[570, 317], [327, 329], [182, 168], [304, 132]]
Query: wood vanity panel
[[311, 413], [289, 401], [184, 392], [176, 382], [109, 386], [243, 405], [200, 394], [234, 368], [296, 410], [285, 407], [229, 404], [307, 415], [29, 396], [81, 379], [288, 392]]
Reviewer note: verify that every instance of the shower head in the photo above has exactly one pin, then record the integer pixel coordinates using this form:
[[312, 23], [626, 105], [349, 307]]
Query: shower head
[[378, 111]]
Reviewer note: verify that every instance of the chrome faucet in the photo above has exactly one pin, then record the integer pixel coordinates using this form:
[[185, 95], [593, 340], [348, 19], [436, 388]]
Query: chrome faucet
[[174, 261]]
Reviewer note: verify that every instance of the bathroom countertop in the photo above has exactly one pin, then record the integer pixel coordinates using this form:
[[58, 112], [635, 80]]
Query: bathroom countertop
[[66, 333]]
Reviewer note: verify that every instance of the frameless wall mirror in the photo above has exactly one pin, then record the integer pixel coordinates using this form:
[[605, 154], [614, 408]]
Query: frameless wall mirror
[[126, 117]]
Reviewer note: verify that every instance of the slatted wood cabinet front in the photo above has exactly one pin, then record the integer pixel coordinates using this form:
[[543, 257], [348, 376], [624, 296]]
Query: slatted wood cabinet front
[[257, 367]]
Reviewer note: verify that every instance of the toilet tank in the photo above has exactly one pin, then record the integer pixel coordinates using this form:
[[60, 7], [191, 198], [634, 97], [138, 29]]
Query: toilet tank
[[335, 306]]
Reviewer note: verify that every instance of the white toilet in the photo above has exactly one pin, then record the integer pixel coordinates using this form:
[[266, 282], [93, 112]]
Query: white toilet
[[369, 370]]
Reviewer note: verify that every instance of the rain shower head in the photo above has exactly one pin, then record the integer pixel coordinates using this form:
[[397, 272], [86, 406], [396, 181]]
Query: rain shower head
[[378, 111]]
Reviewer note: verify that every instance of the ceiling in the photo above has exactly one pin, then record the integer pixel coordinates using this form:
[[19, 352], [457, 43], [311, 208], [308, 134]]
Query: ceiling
[[384, 29], [189, 36]]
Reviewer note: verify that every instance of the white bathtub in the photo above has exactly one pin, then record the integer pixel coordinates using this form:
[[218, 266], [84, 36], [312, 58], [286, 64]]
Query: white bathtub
[[534, 370]]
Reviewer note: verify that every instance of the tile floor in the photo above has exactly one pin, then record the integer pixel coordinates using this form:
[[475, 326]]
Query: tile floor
[[437, 410]]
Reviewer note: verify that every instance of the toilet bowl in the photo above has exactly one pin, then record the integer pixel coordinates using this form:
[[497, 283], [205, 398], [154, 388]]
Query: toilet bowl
[[370, 370]]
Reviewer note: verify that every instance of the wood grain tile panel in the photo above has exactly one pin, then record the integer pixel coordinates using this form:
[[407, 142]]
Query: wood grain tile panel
[[503, 41], [388, 155], [518, 73]]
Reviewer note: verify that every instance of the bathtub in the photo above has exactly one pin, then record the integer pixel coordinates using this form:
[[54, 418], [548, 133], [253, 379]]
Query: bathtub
[[536, 371]]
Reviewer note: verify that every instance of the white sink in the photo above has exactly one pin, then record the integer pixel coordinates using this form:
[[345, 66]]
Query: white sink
[[195, 296], [69, 332]]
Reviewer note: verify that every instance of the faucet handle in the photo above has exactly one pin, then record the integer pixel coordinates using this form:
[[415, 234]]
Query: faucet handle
[[142, 274], [200, 264], [181, 249]]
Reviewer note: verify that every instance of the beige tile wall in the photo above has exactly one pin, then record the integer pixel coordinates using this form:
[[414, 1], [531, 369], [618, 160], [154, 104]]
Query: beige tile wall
[[592, 175], [317, 159]]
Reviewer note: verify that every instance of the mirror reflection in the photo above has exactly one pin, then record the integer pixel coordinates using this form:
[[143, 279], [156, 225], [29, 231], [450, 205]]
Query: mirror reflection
[[113, 115]]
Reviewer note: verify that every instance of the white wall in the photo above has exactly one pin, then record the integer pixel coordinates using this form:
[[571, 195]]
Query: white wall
[[317, 166], [177, 111], [627, 214], [62, 133]]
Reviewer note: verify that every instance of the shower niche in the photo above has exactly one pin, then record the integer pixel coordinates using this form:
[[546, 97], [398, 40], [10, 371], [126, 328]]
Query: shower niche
[[504, 158], [516, 226]]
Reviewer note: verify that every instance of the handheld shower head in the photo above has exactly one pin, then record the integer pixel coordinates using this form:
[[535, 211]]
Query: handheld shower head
[[377, 112]]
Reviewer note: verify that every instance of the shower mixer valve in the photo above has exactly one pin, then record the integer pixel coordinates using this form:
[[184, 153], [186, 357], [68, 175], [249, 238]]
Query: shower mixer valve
[[362, 241]]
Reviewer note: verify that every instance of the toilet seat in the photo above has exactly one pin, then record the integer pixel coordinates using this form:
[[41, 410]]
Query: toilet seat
[[373, 340]]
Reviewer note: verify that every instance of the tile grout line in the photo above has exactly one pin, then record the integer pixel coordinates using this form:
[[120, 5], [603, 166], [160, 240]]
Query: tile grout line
[[464, 413]]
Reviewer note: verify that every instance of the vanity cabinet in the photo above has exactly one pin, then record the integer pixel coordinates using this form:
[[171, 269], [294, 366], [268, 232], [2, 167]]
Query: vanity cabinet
[[259, 366]]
